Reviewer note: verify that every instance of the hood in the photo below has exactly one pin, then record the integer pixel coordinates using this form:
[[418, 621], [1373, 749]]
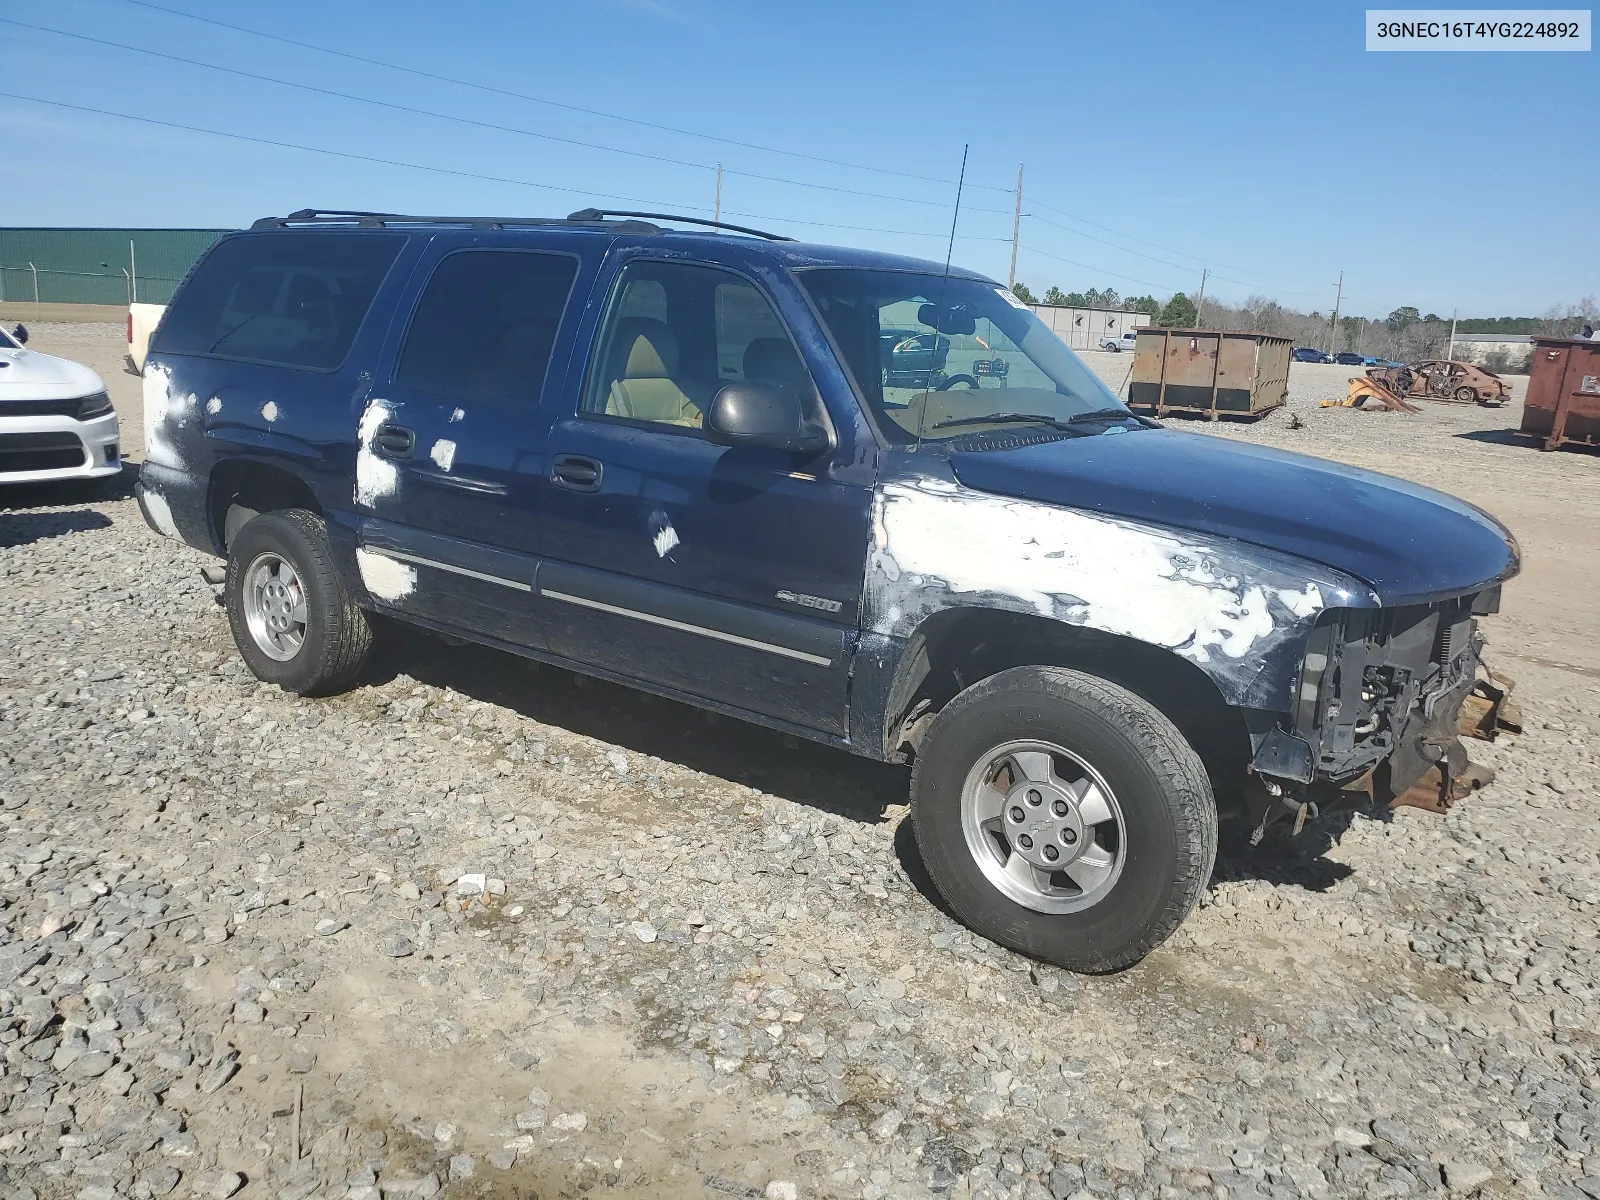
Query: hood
[[29, 375], [1408, 543]]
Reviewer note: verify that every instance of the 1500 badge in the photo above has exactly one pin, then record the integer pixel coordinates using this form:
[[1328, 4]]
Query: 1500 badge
[[817, 602]]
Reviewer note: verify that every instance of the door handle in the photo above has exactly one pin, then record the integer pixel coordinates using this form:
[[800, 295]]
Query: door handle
[[395, 441], [577, 473]]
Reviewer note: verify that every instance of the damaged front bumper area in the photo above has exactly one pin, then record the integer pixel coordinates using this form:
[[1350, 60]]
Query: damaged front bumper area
[[1382, 698]]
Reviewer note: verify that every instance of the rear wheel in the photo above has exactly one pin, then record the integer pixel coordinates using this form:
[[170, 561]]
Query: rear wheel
[[293, 620], [1466, 395], [1064, 816]]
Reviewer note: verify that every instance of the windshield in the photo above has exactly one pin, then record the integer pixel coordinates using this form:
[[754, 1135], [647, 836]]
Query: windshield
[[7, 342], [934, 355]]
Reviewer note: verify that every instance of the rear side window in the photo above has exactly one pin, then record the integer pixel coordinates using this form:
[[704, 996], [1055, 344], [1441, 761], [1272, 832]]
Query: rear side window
[[486, 325], [291, 299]]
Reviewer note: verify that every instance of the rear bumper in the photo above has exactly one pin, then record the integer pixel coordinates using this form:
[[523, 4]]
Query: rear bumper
[[39, 449]]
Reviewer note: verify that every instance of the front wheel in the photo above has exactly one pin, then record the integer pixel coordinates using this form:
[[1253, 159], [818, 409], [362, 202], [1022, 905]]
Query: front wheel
[[1063, 816], [292, 618]]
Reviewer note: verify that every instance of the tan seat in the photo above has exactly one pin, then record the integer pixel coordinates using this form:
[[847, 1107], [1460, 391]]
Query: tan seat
[[643, 371]]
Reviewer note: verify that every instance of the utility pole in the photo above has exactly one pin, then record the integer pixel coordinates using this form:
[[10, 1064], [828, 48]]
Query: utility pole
[[1016, 228], [717, 215], [1453, 313], [1333, 329], [1199, 305]]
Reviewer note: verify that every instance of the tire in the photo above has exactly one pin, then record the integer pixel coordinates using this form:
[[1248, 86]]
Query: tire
[[1466, 395], [1161, 837], [296, 625]]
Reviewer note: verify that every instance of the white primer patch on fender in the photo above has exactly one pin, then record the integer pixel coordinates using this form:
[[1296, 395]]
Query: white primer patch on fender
[[443, 453], [214, 405], [385, 578], [269, 411], [160, 513], [166, 411], [933, 540], [456, 415], [376, 477]]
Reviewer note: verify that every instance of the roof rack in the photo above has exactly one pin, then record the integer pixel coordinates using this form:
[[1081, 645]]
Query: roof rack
[[592, 215], [376, 220], [594, 218]]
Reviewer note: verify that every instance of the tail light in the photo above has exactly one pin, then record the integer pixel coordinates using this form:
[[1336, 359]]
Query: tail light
[[130, 327]]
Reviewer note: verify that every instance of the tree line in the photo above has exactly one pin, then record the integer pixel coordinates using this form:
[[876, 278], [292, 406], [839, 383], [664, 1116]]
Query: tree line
[[1406, 334]]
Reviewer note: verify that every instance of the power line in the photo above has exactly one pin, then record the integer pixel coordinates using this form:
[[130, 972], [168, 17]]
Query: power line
[[393, 162], [424, 112], [1201, 261], [488, 88], [1098, 270], [592, 112]]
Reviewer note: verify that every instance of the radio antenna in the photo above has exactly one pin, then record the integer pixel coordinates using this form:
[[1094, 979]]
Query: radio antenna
[[949, 254]]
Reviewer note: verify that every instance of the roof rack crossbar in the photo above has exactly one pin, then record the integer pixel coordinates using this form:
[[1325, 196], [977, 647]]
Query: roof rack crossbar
[[322, 216], [637, 222], [599, 214]]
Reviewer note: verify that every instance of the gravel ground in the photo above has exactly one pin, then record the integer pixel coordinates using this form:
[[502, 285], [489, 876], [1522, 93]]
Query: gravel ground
[[489, 930]]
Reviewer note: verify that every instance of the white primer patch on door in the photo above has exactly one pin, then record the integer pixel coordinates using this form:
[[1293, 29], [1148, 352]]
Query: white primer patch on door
[[443, 453], [386, 578], [376, 477], [269, 411]]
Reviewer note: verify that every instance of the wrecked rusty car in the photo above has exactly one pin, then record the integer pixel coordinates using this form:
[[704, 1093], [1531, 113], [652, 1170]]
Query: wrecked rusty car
[[1443, 379], [688, 462]]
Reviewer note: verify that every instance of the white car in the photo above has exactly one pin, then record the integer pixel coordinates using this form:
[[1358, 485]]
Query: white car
[[56, 421], [1126, 340]]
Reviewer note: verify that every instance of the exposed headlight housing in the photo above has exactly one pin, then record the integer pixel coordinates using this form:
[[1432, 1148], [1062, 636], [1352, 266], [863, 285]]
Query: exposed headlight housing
[[97, 405]]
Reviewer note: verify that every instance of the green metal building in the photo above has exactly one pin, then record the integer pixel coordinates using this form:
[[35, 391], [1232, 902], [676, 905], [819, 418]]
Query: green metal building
[[98, 266]]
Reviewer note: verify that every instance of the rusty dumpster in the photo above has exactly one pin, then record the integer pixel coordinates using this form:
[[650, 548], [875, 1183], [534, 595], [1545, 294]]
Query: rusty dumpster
[[1563, 403], [1220, 373]]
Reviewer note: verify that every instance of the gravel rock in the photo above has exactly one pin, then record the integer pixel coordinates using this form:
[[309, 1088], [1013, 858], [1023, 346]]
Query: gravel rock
[[179, 846]]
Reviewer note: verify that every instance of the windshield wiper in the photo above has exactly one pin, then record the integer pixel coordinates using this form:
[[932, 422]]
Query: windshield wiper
[[211, 349], [1003, 419], [1101, 414]]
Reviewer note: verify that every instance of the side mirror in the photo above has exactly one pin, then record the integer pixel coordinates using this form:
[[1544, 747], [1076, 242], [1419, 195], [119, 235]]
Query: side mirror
[[776, 416], [21, 334]]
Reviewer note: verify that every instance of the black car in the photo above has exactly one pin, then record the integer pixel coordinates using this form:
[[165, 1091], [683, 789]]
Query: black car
[[1310, 354], [1350, 358], [912, 358], [674, 460]]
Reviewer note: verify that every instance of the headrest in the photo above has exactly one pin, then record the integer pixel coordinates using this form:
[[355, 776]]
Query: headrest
[[643, 348], [773, 359]]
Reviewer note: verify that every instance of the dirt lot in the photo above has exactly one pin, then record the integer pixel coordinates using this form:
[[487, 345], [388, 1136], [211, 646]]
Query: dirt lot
[[494, 931]]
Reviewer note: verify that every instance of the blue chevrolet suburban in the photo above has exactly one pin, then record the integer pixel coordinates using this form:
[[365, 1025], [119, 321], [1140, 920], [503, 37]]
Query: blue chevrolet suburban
[[693, 461]]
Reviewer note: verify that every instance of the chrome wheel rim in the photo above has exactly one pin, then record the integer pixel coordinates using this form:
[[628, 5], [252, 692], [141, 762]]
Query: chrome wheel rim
[[1043, 826], [275, 606]]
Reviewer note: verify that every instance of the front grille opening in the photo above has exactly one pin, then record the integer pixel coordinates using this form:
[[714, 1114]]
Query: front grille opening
[[41, 452]]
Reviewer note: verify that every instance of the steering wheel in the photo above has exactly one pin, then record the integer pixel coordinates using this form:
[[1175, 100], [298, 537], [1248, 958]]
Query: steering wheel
[[947, 384]]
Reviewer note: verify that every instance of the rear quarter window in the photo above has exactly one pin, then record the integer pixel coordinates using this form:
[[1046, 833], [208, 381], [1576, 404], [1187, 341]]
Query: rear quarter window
[[290, 299]]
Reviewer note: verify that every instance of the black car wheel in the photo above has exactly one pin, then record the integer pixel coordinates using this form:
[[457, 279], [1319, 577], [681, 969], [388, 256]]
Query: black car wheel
[[292, 618], [1063, 816]]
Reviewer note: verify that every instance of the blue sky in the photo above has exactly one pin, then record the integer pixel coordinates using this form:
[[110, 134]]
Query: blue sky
[[1260, 141]]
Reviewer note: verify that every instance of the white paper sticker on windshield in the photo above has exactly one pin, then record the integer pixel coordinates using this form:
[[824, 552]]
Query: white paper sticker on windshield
[[1007, 295]]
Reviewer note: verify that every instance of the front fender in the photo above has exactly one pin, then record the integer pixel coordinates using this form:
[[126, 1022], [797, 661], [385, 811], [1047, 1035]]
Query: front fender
[[1238, 612]]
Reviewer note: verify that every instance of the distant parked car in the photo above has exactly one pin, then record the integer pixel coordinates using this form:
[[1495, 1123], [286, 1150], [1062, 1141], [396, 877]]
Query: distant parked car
[[1310, 354], [1351, 359], [56, 421], [1384, 362], [1118, 342], [913, 358]]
